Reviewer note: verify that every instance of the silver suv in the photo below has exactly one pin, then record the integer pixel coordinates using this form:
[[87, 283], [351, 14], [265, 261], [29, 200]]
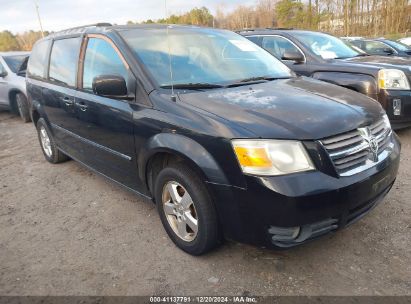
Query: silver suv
[[13, 84]]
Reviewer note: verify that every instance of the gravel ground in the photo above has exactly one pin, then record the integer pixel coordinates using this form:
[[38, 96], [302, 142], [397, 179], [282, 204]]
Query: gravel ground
[[67, 231]]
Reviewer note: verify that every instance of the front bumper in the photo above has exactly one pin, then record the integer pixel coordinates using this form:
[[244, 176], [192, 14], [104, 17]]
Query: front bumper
[[387, 98], [315, 202]]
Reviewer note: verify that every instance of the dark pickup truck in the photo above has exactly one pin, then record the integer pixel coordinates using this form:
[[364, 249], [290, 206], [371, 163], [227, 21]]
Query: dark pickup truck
[[328, 58]]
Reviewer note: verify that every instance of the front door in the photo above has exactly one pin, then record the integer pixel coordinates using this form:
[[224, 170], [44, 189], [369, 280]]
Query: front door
[[106, 125]]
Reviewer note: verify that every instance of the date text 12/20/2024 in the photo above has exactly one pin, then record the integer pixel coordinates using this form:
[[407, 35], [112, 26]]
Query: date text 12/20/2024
[[203, 299]]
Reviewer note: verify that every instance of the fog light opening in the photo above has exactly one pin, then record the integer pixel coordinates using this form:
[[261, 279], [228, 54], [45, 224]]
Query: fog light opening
[[284, 234], [396, 106]]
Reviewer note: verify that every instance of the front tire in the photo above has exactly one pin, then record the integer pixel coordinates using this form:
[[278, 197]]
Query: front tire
[[186, 210], [23, 107], [48, 145]]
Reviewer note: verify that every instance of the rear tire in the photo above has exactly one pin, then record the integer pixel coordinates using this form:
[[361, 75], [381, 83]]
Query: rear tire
[[23, 107], [48, 145], [186, 209]]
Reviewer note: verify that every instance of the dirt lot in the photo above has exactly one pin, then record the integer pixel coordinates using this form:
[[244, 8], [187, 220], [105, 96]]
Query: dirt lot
[[67, 231]]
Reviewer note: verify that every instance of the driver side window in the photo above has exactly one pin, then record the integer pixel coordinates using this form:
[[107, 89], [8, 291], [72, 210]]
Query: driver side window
[[277, 46], [101, 59]]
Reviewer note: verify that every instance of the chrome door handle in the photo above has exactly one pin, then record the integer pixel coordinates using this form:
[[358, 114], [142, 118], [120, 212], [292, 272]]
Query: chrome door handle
[[83, 107], [68, 101]]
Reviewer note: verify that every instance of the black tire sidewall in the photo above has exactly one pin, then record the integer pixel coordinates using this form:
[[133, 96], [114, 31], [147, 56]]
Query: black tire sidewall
[[22, 107], [207, 236]]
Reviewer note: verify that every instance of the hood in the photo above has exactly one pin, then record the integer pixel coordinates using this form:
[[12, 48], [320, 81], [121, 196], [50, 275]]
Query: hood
[[297, 108], [380, 62]]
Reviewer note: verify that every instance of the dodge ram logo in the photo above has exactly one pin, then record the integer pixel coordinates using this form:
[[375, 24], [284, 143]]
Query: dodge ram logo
[[372, 142]]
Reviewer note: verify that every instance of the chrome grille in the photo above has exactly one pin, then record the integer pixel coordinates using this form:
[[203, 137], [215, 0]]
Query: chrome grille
[[350, 152]]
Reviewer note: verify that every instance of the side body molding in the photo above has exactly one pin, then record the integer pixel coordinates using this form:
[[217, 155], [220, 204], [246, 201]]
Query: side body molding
[[187, 149]]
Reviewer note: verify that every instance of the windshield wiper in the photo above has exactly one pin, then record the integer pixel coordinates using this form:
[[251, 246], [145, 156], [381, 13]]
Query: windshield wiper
[[193, 86], [258, 79]]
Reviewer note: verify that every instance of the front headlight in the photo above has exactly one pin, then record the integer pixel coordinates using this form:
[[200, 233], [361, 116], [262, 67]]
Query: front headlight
[[392, 79], [386, 122], [271, 157]]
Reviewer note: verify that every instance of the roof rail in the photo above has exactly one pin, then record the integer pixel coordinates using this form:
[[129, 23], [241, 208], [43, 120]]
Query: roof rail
[[279, 28], [264, 29], [88, 25], [78, 28]]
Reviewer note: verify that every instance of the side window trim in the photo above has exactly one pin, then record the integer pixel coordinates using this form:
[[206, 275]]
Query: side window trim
[[285, 38], [83, 48]]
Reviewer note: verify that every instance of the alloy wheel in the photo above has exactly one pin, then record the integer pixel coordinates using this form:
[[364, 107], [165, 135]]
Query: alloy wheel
[[180, 211], [45, 142]]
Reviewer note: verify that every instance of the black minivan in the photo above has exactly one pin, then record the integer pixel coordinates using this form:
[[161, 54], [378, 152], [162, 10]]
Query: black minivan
[[223, 137]]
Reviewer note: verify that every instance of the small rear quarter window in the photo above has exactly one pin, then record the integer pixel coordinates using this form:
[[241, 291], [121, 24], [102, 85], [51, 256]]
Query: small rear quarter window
[[38, 60]]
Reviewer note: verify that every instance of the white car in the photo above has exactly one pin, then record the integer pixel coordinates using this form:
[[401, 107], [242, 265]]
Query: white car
[[13, 83], [406, 41]]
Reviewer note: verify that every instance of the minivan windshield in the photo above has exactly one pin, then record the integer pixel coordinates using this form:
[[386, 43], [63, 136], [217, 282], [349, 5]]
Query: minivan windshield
[[326, 46], [202, 57]]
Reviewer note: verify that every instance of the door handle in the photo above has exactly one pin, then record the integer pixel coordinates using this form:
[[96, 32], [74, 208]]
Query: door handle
[[83, 107], [68, 101]]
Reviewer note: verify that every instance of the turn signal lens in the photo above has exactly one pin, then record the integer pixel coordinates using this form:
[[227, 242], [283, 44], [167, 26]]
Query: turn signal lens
[[252, 157]]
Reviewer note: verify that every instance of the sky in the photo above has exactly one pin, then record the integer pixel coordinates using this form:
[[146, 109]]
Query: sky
[[20, 15]]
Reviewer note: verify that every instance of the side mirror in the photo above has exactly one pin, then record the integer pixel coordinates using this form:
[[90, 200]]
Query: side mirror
[[3, 73], [295, 56], [388, 51], [110, 86]]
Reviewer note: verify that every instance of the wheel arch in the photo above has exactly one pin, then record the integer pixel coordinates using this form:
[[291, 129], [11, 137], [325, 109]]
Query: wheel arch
[[167, 147], [37, 112]]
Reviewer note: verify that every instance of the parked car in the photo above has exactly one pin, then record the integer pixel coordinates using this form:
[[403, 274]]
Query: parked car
[[406, 41], [348, 43], [12, 83], [325, 57], [351, 38], [382, 47], [223, 137]]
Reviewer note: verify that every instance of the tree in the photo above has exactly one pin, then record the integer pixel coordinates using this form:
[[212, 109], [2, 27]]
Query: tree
[[8, 42], [27, 40], [290, 13]]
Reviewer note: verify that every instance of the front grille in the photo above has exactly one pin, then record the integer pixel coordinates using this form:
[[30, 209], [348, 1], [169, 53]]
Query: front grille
[[350, 152]]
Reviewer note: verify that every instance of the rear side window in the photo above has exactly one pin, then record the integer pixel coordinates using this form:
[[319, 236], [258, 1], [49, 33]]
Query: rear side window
[[255, 39], [38, 60], [63, 61], [101, 59]]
